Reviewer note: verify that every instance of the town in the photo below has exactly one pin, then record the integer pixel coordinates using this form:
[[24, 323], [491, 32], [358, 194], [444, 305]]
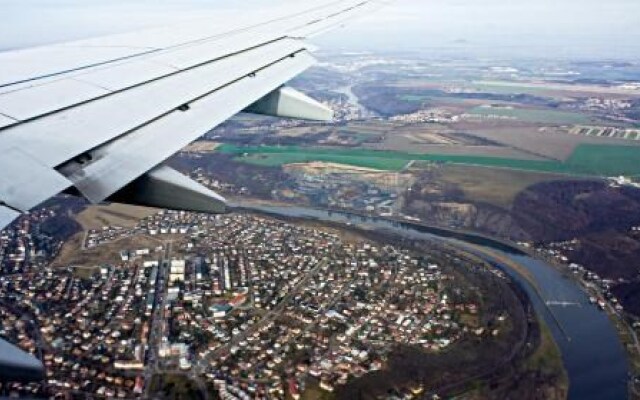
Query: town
[[247, 306]]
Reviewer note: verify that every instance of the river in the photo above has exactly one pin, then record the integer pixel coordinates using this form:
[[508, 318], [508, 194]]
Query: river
[[355, 101], [593, 355]]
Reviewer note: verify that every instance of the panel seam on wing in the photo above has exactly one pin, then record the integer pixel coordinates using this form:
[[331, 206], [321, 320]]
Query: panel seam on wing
[[112, 92], [10, 117]]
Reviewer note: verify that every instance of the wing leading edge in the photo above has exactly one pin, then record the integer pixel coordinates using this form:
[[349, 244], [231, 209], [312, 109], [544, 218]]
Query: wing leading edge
[[101, 115]]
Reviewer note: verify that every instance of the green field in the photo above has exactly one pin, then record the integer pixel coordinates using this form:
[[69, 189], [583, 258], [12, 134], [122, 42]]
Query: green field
[[606, 160], [509, 88], [438, 98], [533, 116], [597, 160]]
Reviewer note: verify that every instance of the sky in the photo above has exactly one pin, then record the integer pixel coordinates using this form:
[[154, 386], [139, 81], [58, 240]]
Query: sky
[[538, 28]]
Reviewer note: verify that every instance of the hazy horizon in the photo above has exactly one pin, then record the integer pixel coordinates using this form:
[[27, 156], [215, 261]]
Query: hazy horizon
[[492, 28]]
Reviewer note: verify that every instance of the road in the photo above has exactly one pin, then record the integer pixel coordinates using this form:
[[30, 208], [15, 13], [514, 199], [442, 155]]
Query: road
[[156, 329]]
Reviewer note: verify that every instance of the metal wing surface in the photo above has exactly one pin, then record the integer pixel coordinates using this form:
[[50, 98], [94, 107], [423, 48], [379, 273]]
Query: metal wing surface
[[98, 117]]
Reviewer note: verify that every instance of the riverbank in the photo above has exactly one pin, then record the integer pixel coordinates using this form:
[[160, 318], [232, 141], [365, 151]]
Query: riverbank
[[584, 334], [620, 320]]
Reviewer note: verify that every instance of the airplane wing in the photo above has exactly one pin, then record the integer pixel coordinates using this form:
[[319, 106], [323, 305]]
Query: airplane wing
[[18, 366], [98, 117]]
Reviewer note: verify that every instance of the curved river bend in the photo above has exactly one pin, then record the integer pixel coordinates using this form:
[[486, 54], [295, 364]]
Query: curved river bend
[[593, 355]]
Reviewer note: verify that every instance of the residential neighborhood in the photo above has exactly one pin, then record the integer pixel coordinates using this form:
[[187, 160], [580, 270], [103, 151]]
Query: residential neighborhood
[[250, 306]]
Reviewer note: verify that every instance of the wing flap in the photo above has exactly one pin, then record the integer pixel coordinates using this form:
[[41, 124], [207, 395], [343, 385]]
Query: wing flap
[[7, 215], [129, 157], [25, 182], [17, 365]]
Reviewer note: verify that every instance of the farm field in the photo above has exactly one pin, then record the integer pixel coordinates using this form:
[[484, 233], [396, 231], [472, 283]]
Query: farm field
[[510, 88], [126, 216], [359, 136], [439, 139], [533, 115], [607, 160], [549, 142], [548, 88], [201, 146], [592, 160], [439, 98], [497, 186]]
